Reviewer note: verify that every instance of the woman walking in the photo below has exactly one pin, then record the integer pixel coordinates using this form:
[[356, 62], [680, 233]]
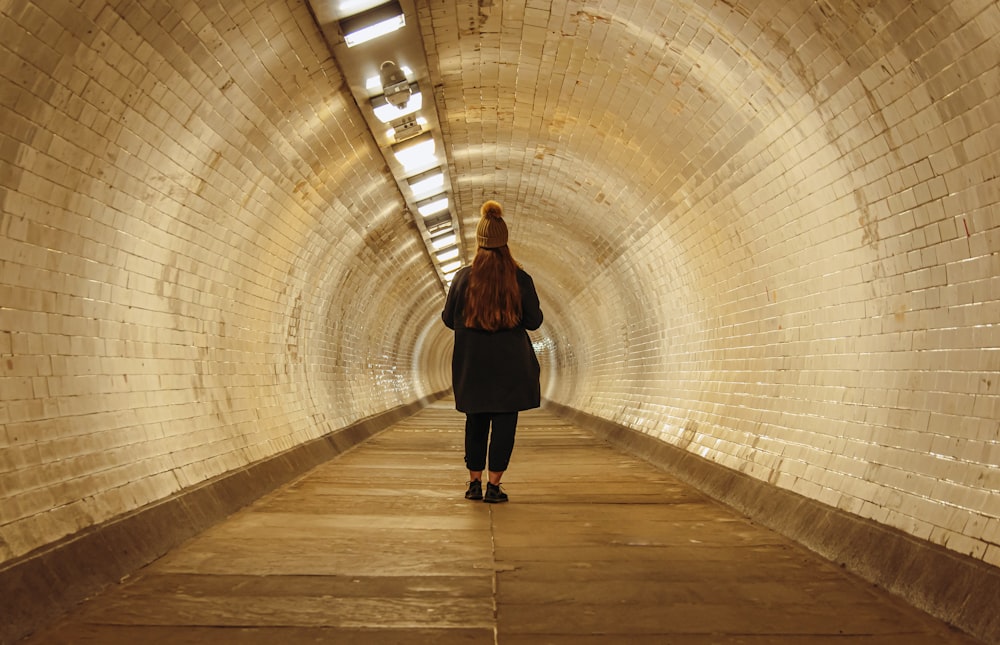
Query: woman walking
[[494, 369]]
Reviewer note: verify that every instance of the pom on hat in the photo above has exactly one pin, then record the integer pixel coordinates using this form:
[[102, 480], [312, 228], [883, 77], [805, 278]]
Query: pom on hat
[[491, 209], [492, 230]]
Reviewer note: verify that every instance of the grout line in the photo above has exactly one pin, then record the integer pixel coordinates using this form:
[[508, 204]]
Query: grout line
[[495, 582]]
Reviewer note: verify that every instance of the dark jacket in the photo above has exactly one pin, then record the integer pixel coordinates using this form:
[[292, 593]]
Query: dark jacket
[[494, 371]]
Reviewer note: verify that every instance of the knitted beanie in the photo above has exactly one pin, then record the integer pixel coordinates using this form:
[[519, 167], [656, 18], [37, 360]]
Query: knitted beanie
[[492, 230]]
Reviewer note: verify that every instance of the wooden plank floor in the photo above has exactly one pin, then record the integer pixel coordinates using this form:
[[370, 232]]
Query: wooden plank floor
[[379, 546]]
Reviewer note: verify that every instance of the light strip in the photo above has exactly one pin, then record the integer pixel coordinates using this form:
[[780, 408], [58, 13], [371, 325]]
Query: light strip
[[451, 268], [449, 254], [445, 240], [416, 153], [426, 183], [433, 206], [372, 24]]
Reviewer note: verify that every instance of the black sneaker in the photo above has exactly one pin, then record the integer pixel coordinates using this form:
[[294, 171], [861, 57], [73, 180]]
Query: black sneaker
[[475, 490], [494, 495]]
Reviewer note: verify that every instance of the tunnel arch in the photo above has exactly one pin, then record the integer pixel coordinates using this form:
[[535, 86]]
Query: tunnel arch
[[786, 211], [789, 193]]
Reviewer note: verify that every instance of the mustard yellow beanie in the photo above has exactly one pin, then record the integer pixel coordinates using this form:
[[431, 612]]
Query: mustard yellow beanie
[[492, 230]]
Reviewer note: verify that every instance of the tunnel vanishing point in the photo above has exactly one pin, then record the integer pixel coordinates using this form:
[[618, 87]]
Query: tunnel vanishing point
[[765, 235]]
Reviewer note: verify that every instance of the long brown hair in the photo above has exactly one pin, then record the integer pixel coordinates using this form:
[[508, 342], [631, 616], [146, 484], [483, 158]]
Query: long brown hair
[[493, 297]]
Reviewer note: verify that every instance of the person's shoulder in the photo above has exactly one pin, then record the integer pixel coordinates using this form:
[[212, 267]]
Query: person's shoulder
[[524, 280], [461, 276]]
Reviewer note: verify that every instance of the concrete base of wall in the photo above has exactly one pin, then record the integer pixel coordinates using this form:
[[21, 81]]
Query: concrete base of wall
[[957, 589], [39, 587]]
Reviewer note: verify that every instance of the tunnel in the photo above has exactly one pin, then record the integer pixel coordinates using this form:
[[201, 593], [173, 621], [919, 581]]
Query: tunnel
[[765, 235]]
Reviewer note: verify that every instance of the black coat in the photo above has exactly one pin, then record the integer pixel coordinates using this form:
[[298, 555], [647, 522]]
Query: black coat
[[494, 371]]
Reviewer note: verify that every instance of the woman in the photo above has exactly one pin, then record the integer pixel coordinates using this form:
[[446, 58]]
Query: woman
[[494, 369]]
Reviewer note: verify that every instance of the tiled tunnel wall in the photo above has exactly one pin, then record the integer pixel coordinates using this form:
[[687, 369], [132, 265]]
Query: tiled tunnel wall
[[766, 232], [197, 239]]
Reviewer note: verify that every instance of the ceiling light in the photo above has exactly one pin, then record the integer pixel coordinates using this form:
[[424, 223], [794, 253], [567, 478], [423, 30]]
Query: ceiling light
[[451, 268], [438, 223], [416, 153], [373, 23], [439, 243], [433, 206], [374, 83], [427, 182], [386, 111], [395, 87], [447, 254]]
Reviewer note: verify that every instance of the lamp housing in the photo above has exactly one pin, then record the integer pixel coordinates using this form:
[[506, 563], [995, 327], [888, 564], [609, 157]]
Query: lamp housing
[[373, 23], [385, 111], [395, 87]]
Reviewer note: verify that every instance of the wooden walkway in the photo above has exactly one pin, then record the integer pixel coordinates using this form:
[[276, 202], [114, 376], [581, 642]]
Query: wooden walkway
[[379, 546]]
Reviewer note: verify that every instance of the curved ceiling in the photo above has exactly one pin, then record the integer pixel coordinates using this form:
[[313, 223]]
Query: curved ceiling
[[732, 211], [763, 230]]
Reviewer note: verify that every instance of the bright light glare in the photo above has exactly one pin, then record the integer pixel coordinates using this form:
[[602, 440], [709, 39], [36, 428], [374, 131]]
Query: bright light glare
[[450, 254], [416, 155], [386, 111], [441, 242], [434, 207], [429, 185], [451, 268], [372, 32]]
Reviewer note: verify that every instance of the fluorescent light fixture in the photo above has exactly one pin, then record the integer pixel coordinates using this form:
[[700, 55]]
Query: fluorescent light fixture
[[438, 223], [451, 268], [439, 243], [427, 182], [447, 254], [386, 111], [416, 153], [368, 25], [433, 206]]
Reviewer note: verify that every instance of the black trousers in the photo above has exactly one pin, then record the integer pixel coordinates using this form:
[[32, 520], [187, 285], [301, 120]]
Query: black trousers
[[479, 441]]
